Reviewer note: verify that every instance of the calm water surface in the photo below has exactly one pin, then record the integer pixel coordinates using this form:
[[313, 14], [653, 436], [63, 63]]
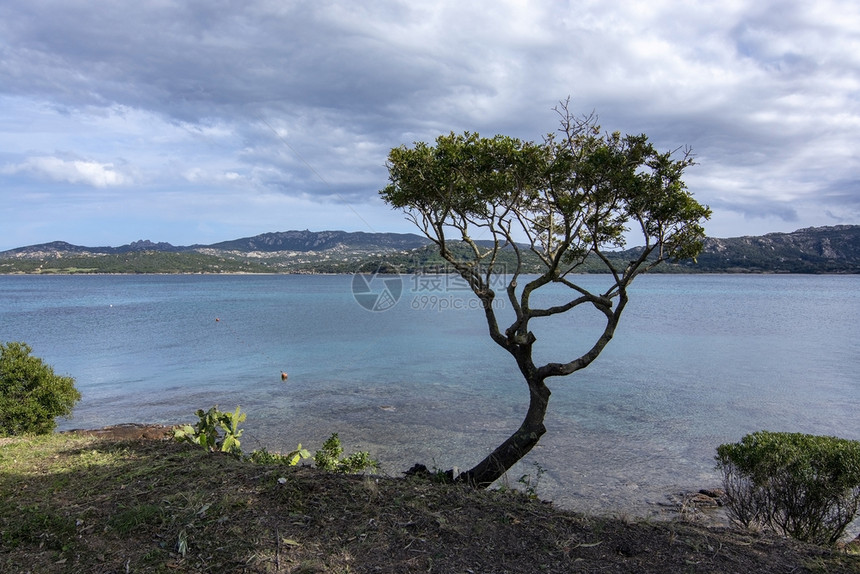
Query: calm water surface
[[698, 360]]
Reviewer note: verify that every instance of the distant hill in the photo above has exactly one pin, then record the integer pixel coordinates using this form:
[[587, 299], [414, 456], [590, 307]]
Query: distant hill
[[296, 241], [61, 249], [306, 241], [813, 250], [280, 252]]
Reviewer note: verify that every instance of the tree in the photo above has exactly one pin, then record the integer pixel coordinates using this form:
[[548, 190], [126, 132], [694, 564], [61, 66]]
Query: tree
[[571, 197], [31, 395]]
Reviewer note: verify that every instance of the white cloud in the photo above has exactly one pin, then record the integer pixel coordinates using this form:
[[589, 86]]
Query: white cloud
[[75, 171], [305, 99]]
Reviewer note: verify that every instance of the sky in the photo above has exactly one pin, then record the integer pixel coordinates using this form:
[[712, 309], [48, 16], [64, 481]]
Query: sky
[[200, 121]]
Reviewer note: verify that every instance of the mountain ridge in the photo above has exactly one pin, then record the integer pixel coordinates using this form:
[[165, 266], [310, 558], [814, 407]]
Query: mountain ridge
[[830, 249], [299, 241], [811, 249]]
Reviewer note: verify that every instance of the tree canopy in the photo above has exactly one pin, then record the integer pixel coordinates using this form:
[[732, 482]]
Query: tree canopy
[[578, 194]]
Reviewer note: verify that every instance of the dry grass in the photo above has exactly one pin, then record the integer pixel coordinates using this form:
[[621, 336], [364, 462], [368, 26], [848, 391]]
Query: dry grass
[[96, 504]]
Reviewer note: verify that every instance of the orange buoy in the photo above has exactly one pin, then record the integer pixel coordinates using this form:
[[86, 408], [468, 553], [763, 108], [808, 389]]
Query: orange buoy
[[284, 376]]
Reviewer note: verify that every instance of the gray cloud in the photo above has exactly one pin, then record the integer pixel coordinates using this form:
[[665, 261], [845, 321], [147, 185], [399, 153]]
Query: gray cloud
[[302, 101], [756, 209]]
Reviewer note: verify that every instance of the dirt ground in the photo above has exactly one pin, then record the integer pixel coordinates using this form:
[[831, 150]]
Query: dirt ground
[[130, 501]]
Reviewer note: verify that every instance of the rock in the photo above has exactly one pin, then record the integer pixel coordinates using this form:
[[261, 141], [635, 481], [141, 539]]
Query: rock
[[703, 500], [718, 495], [418, 470]]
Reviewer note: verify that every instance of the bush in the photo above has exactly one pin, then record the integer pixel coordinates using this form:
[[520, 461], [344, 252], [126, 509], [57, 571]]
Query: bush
[[31, 395], [263, 456], [206, 432], [219, 431], [800, 485], [329, 458]]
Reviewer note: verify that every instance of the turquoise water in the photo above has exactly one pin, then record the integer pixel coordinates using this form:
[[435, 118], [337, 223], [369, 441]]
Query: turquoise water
[[698, 360]]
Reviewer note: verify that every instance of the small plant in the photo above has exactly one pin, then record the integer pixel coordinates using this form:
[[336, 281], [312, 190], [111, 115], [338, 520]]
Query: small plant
[[31, 395], [531, 484], [329, 458], [263, 456], [206, 432], [804, 486]]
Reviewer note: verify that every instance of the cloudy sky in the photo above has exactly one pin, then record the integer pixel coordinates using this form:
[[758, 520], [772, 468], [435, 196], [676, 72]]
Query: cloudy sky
[[206, 120]]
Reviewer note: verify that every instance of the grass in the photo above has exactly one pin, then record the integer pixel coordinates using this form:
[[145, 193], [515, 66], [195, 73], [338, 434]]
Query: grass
[[96, 504]]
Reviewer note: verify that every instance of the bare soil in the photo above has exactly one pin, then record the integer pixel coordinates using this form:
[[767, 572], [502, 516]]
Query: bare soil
[[130, 500]]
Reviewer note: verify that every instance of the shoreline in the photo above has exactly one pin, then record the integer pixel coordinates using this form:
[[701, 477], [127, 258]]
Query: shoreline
[[86, 504], [702, 506]]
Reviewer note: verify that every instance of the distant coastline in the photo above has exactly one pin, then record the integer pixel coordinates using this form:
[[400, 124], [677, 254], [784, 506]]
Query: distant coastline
[[815, 250]]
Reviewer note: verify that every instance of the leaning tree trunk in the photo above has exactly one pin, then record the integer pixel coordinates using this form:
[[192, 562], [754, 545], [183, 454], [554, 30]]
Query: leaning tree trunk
[[517, 445]]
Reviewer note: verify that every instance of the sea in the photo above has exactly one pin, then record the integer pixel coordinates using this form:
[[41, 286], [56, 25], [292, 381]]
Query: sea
[[403, 367]]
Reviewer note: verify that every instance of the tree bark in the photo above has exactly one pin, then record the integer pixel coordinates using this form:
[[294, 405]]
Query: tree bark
[[498, 462]]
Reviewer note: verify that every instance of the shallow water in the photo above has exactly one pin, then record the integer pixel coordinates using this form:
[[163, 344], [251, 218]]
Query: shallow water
[[698, 360]]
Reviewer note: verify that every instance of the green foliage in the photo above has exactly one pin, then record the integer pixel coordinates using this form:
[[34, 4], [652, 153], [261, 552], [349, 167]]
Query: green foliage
[[804, 486], [327, 456], [330, 458], [31, 395], [263, 456], [208, 430], [531, 483], [219, 431], [570, 195]]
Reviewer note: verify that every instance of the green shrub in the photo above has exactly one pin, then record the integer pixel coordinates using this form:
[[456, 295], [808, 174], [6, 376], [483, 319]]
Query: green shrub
[[804, 486], [206, 432], [263, 456], [219, 431], [31, 395], [329, 458]]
